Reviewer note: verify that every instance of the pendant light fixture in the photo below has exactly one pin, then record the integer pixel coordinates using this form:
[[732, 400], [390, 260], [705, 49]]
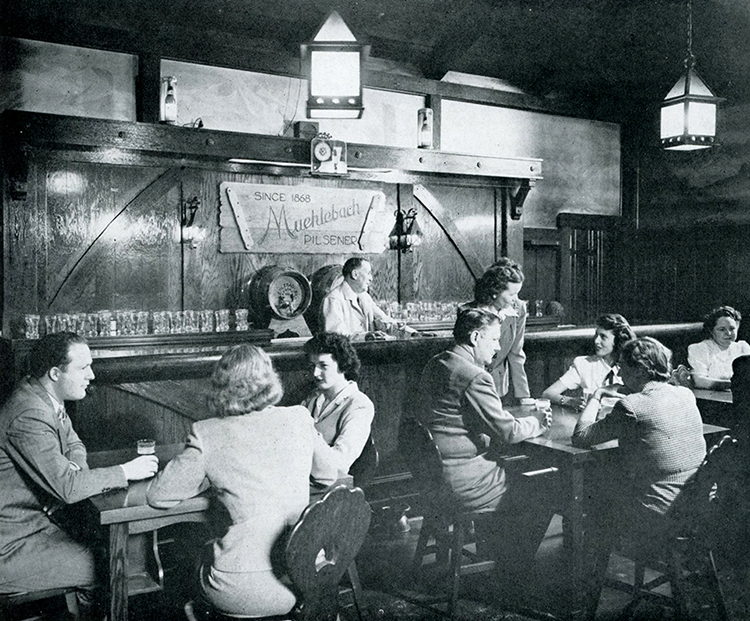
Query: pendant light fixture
[[333, 62], [688, 113]]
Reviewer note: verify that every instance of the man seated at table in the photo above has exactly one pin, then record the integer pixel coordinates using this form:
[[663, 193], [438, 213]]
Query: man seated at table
[[43, 467], [461, 407], [348, 308]]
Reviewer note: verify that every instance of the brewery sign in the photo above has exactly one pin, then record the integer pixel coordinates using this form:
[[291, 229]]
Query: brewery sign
[[302, 219]]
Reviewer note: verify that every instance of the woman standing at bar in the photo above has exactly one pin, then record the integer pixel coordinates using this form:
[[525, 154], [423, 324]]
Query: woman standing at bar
[[258, 458], [711, 359], [599, 369], [497, 292], [342, 414]]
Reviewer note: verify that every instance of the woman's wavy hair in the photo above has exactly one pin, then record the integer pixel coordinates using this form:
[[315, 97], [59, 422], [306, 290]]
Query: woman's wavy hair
[[243, 381], [495, 280], [620, 329], [650, 355], [341, 351], [710, 320]]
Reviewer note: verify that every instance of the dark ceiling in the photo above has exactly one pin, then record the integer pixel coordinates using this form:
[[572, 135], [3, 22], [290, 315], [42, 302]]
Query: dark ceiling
[[602, 51]]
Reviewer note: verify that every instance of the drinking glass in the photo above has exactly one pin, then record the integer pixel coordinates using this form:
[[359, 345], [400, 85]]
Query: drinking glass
[[240, 316], [146, 446], [161, 322], [31, 326], [190, 321], [141, 322], [222, 320], [89, 325], [207, 320], [176, 322], [104, 323]]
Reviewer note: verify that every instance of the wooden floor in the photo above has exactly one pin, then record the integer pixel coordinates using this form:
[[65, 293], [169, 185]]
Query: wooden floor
[[384, 568]]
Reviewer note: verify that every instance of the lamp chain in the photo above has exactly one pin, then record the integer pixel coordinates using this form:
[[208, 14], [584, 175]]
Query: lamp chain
[[690, 58]]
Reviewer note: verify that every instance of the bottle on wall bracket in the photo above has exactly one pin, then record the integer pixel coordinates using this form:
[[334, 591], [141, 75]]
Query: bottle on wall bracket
[[424, 127], [169, 101]]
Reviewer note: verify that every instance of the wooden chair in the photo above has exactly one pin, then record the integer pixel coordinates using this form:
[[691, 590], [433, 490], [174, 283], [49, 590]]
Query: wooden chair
[[322, 548], [12, 602], [446, 531], [695, 521], [363, 471], [364, 468], [319, 551]]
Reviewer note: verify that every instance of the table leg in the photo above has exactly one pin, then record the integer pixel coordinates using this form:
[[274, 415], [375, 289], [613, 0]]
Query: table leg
[[574, 533], [118, 572]]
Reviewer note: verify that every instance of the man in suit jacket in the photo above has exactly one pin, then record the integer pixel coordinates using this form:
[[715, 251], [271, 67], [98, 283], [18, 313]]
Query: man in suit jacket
[[461, 407], [43, 467]]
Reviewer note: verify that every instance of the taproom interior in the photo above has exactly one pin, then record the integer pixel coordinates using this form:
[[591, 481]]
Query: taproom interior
[[508, 240]]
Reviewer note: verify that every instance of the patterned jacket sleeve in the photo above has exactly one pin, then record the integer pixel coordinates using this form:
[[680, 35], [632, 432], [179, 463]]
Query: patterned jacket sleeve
[[34, 446]]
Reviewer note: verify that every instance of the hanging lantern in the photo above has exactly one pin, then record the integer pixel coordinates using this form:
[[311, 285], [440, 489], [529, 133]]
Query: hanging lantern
[[688, 113], [333, 60], [406, 233]]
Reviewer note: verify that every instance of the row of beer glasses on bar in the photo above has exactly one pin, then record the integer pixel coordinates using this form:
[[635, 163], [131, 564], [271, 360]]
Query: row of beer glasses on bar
[[133, 323], [421, 311]]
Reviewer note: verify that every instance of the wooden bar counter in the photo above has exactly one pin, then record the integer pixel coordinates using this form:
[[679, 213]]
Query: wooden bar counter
[[139, 394]]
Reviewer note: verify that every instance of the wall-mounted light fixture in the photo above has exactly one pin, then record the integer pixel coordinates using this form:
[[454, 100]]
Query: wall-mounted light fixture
[[191, 233], [405, 233], [333, 63], [688, 113]]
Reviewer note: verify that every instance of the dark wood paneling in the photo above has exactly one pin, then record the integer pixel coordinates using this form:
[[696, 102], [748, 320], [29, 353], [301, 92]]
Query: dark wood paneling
[[681, 274]]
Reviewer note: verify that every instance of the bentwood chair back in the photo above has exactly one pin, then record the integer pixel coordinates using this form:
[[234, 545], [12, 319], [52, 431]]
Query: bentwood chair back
[[322, 548], [695, 525]]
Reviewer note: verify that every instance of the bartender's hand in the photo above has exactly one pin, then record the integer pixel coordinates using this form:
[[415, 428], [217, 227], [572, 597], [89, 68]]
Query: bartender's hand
[[141, 467]]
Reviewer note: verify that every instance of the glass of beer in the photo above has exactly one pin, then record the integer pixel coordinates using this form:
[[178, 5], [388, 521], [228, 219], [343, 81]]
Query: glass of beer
[[146, 446]]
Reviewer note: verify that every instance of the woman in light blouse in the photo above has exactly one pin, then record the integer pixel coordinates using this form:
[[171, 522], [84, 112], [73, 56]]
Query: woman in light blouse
[[711, 359], [342, 414], [591, 372]]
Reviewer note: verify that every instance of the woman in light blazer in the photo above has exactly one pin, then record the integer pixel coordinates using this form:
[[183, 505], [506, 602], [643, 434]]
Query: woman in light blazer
[[257, 457]]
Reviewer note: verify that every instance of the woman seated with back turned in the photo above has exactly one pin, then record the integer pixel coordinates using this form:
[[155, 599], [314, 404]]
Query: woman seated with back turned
[[342, 414], [711, 359], [661, 444], [600, 369], [258, 458]]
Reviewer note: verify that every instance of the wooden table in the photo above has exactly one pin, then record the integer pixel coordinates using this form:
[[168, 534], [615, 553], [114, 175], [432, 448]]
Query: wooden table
[[716, 396], [716, 406], [555, 449], [134, 563]]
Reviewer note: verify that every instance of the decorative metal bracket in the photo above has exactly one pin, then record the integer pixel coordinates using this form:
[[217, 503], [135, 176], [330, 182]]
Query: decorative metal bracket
[[516, 197]]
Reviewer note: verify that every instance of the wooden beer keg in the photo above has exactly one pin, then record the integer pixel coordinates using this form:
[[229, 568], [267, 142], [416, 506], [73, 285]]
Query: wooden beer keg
[[322, 281], [278, 292]]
